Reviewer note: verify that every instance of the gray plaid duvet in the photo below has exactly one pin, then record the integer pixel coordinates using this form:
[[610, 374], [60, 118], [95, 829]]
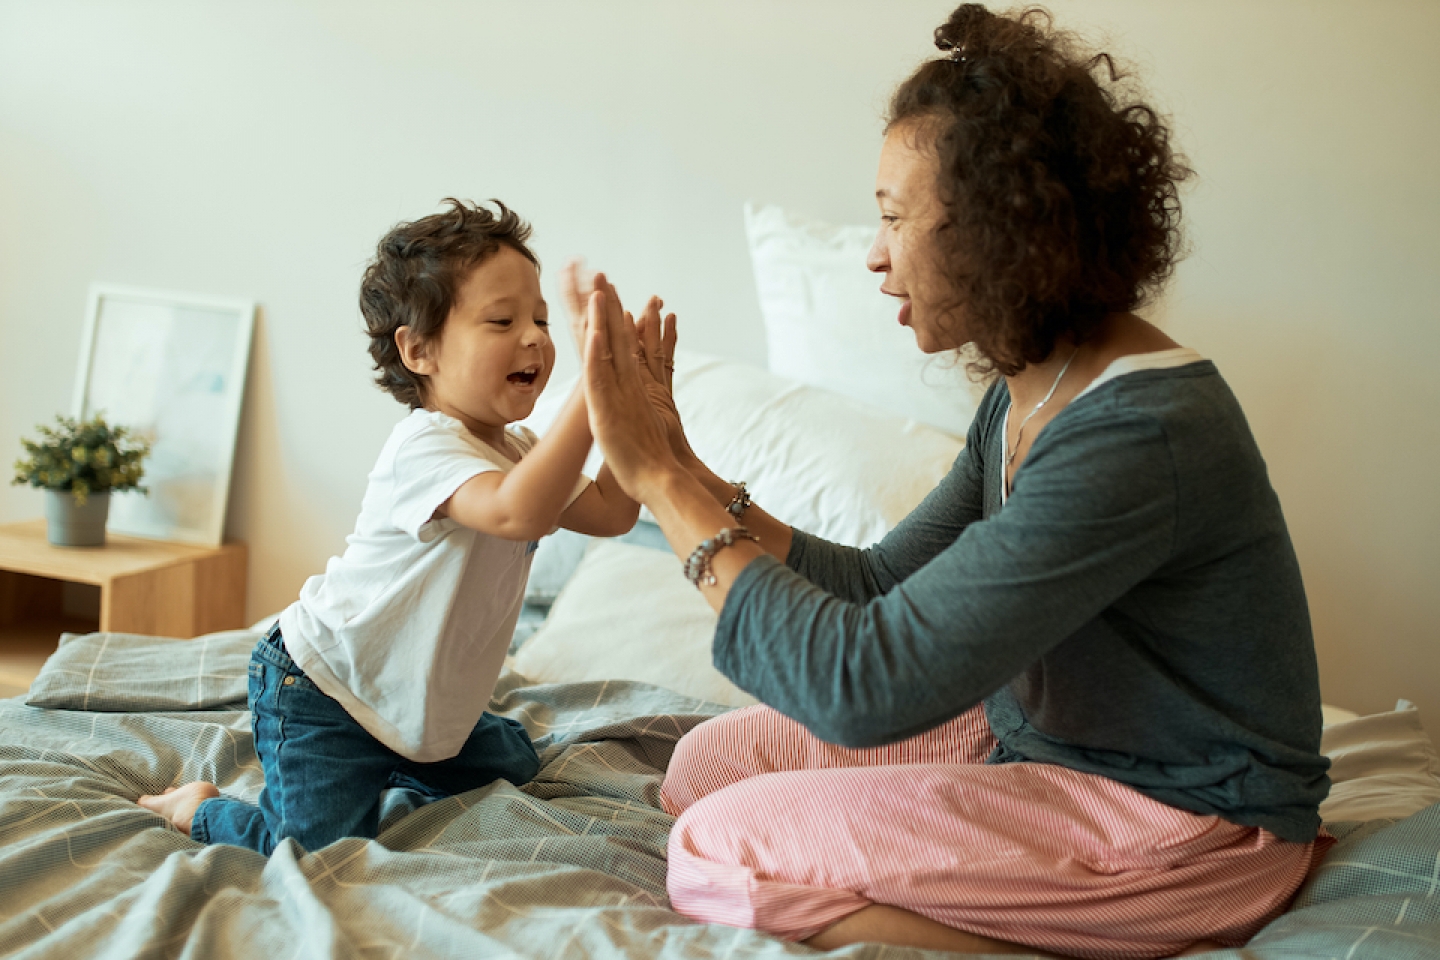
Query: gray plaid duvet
[[571, 865]]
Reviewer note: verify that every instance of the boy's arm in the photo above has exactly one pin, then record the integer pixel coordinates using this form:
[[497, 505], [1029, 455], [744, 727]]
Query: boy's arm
[[602, 509], [527, 502]]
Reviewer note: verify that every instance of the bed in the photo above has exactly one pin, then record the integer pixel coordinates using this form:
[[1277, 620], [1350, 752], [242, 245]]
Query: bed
[[572, 864], [610, 667]]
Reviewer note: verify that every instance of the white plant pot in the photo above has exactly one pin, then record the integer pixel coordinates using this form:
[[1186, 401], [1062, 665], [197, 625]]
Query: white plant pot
[[71, 524]]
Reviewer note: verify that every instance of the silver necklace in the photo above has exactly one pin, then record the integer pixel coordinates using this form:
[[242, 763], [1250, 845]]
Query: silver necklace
[[1010, 454]]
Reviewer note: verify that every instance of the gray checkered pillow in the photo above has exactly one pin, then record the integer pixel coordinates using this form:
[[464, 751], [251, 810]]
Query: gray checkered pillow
[[122, 672]]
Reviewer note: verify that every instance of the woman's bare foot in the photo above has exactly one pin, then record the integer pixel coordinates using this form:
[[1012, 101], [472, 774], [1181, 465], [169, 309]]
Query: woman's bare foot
[[178, 804], [879, 923]]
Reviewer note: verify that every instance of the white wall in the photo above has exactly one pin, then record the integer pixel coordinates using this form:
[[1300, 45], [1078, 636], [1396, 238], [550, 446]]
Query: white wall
[[260, 150]]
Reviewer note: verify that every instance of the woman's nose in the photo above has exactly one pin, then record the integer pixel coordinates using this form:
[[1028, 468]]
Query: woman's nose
[[878, 259]]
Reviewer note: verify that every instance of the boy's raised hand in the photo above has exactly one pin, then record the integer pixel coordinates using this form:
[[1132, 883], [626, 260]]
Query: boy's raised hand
[[576, 286]]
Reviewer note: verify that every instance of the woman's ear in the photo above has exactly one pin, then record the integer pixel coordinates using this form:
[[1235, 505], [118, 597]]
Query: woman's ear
[[413, 352]]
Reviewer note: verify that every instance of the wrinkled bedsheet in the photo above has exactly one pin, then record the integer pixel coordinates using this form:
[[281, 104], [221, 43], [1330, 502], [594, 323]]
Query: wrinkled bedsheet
[[570, 865]]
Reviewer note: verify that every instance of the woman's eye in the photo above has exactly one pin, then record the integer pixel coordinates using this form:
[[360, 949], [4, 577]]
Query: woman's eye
[[542, 322], [501, 322]]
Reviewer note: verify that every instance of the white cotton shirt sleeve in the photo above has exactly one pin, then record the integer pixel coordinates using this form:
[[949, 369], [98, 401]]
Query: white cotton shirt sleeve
[[426, 468], [409, 627]]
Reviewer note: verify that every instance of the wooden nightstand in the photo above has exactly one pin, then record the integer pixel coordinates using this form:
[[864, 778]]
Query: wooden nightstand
[[146, 586]]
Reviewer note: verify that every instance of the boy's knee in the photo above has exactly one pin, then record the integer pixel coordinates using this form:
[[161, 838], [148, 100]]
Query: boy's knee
[[524, 762]]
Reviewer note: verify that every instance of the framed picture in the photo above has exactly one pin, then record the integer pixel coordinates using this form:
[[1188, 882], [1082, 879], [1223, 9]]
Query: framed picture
[[171, 366]]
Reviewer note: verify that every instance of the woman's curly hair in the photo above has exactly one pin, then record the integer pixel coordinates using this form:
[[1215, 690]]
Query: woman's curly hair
[[413, 279], [1060, 185]]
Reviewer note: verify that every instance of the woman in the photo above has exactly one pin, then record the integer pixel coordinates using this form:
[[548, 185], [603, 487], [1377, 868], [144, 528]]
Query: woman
[[1070, 704]]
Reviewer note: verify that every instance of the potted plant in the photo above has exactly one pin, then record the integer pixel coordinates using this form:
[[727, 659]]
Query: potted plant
[[79, 463]]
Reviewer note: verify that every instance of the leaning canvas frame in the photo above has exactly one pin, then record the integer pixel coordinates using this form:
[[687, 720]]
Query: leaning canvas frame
[[172, 367]]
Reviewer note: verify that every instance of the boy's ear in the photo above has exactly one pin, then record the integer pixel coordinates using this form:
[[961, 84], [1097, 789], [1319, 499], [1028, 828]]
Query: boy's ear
[[413, 353]]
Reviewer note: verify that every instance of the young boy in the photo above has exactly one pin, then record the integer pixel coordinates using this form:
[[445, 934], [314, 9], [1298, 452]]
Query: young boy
[[378, 675]]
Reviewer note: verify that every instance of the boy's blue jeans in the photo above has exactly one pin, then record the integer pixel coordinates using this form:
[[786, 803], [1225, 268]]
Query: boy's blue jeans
[[324, 773]]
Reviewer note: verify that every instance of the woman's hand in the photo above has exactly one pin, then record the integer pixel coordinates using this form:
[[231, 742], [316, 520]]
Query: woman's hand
[[655, 355], [627, 377], [657, 337], [623, 418]]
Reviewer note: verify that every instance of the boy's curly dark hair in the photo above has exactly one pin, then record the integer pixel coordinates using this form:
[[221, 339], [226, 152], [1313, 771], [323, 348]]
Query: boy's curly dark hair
[[1060, 185], [412, 281]]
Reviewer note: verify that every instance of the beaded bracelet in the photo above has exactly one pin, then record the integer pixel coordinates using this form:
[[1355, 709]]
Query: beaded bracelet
[[738, 503], [697, 565]]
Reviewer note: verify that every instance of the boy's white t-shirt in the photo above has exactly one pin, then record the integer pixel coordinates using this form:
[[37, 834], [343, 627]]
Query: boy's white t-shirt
[[408, 629]]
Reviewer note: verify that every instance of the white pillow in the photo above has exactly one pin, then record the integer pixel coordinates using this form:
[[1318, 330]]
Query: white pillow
[[1382, 766], [555, 560], [828, 325], [628, 613], [824, 463]]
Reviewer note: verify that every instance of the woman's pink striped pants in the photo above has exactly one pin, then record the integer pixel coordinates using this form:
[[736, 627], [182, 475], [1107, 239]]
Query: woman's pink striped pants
[[784, 833]]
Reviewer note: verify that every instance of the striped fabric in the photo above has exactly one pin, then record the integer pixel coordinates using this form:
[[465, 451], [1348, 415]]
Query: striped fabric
[[780, 832], [572, 864]]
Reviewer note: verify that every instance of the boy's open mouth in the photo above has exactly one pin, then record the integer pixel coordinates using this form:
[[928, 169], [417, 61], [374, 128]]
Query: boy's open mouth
[[526, 376]]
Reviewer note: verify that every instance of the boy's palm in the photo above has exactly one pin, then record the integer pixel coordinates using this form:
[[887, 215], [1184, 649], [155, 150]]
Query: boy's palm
[[575, 290]]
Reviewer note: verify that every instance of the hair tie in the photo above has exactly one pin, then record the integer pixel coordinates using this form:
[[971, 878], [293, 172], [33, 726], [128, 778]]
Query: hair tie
[[957, 54]]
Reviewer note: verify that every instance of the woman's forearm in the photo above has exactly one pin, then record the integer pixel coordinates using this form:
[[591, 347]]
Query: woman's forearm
[[689, 512], [774, 534]]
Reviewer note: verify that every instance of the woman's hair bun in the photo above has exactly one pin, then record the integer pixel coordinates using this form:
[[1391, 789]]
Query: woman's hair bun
[[961, 32]]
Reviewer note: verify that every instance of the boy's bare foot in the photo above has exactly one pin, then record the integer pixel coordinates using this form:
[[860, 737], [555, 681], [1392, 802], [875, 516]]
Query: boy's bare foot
[[178, 804]]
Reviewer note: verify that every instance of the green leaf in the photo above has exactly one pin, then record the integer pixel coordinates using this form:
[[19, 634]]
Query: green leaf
[[83, 456]]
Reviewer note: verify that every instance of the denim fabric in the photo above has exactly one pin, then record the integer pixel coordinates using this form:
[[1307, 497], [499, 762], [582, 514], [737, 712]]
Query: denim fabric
[[324, 773]]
